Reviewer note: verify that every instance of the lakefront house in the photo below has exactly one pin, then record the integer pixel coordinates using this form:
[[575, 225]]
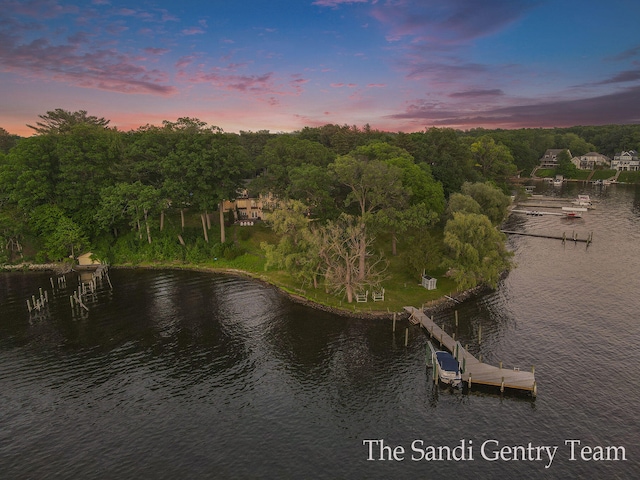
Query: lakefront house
[[550, 157], [626, 161], [591, 160]]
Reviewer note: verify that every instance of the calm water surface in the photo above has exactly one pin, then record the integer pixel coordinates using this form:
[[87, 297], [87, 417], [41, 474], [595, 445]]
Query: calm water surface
[[191, 375]]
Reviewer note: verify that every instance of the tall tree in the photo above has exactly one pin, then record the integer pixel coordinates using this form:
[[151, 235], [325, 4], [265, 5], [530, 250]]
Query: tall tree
[[476, 250], [565, 167], [494, 159], [283, 153], [492, 201], [373, 185], [132, 201], [340, 249], [29, 173], [297, 251], [7, 140], [446, 153], [63, 121], [204, 167], [86, 156]]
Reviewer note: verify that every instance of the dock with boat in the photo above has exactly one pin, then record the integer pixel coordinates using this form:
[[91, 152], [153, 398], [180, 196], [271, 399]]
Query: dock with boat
[[474, 371]]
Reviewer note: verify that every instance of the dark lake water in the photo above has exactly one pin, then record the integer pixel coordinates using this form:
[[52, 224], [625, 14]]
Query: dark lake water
[[175, 374]]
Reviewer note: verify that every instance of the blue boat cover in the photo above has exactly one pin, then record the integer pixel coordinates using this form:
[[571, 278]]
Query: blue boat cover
[[447, 362]]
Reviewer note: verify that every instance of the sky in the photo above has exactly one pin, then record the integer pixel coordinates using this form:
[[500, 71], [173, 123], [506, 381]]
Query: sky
[[281, 65]]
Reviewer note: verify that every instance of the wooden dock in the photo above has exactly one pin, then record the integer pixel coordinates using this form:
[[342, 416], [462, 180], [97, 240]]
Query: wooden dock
[[475, 372], [564, 237]]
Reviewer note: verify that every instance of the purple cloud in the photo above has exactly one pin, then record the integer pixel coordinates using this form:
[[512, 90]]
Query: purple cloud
[[105, 69], [478, 93], [193, 31], [622, 77], [616, 108], [37, 8], [627, 54]]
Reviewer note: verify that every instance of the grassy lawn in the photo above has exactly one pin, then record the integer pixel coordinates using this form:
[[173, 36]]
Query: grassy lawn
[[401, 289], [603, 174], [629, 177], [546, 172]]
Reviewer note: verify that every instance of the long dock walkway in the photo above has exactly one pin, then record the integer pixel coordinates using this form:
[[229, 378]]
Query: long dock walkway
[[563, 237], [474, 372]]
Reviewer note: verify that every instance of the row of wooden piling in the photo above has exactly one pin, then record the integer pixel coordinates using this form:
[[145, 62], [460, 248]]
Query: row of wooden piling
[[38, 303], [90, 287]]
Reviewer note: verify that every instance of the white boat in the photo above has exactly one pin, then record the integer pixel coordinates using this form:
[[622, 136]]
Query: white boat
[[448, 368], [583, 201]]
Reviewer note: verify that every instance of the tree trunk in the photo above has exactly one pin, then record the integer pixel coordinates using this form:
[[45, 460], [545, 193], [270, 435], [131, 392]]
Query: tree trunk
[[162, 220], [394, 244], [363, 257], [206, 214], [146, 222], [182, 218], [221, 210], [349, 287], [204, 228]]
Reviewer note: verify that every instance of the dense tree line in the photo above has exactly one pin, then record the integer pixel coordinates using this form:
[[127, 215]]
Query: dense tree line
[[79, 183]]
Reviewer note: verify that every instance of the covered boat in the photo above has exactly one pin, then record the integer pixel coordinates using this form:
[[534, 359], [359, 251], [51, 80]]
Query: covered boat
[[448, 369]]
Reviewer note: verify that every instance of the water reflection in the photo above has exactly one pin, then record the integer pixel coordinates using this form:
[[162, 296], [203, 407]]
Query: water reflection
[[175, 373]]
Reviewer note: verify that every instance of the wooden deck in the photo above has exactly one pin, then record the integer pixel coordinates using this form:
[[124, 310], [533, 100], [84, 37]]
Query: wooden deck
[[474, 372]]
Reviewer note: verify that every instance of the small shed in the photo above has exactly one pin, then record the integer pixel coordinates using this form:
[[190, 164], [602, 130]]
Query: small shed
[[88, 261], [429, 282]]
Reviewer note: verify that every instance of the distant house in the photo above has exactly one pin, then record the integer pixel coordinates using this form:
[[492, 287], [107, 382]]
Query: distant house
[[550, 157], [626, 161], [248, 210], [591, 160]]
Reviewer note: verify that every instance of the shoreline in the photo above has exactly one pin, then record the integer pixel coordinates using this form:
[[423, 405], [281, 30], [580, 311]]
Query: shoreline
[[441, 304]]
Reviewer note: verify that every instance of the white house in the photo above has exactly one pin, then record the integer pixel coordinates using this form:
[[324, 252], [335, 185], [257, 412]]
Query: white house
[[626, 161], [591, 160]]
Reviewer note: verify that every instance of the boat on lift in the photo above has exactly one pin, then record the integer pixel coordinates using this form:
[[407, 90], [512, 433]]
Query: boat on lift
[[448, 368]]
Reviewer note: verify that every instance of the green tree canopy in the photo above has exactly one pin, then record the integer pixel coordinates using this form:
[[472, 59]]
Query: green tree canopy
[[493, 202], [476, 252], [62, 121], [494, 159], [459, 202]]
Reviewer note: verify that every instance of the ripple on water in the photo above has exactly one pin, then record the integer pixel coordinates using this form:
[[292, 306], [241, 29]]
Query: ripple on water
[[175, 374]]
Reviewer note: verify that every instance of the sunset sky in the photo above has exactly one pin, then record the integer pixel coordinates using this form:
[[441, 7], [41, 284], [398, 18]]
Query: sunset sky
[[280, 65]]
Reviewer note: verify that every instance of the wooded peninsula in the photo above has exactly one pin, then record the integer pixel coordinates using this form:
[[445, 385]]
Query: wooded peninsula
[[335, 214]]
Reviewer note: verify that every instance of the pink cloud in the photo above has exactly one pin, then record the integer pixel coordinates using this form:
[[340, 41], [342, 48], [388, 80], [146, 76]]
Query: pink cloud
[[156, 51], [105, 69], [243, 83], [193, 31], [38, 8]]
